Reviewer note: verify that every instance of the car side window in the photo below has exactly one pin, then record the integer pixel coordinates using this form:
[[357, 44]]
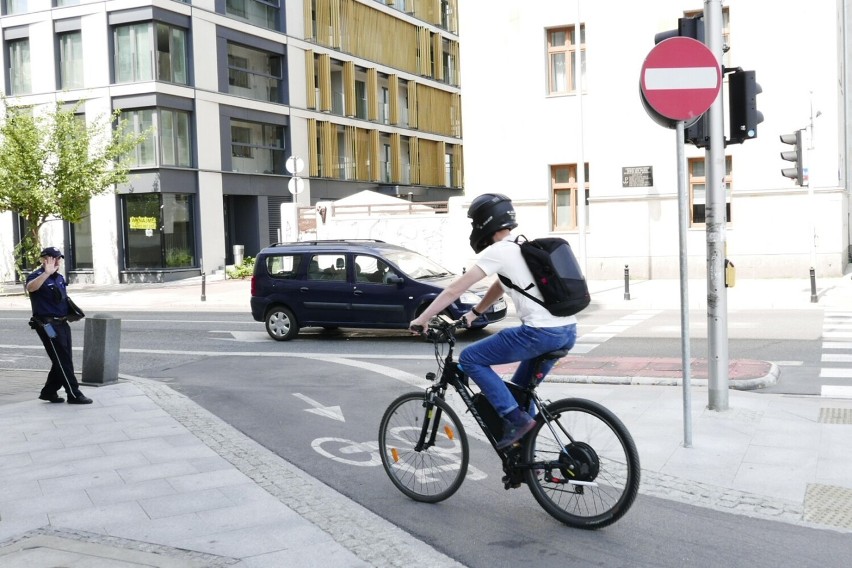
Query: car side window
[[372, 269], [283, 266], [327, 267]]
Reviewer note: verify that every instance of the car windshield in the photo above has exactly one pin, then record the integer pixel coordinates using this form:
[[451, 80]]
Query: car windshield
[[416, 265]]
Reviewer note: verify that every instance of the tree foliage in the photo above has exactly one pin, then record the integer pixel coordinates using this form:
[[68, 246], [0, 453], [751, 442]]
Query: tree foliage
[[52, 164]]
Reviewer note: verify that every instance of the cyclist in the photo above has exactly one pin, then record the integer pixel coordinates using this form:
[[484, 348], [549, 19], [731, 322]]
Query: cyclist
[[493, 218]]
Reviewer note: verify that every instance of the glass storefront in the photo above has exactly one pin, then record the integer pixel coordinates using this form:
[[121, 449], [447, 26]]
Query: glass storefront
[[159, 229]]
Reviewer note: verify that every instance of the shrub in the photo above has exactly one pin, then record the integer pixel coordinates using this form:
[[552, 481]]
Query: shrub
[[243, 270]]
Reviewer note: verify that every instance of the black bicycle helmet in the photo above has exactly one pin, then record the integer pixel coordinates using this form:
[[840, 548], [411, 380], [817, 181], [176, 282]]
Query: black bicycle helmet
[[489, 213]]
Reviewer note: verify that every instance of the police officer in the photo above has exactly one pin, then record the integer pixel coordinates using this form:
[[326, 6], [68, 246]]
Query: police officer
[[48, 297]]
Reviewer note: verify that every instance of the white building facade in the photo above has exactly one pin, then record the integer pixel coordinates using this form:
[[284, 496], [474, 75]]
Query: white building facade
[[525, 129]]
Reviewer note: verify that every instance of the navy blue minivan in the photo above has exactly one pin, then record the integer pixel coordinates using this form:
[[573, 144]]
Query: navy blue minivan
[[351, 283]]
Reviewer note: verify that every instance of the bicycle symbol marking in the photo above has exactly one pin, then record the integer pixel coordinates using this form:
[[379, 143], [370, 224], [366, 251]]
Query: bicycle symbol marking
[[366, 454]]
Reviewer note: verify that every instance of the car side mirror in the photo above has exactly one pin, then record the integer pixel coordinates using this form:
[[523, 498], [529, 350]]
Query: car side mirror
[[394, 279]]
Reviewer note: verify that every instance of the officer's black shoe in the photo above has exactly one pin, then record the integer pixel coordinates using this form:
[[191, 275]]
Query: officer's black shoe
[[80, 399], [51, 398]]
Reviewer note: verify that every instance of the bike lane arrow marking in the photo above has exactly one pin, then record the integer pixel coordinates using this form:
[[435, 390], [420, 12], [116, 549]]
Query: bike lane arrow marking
[[333, 412]]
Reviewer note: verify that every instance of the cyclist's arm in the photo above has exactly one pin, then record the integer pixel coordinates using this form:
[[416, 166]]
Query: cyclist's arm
[[455, 289], [494, 293]]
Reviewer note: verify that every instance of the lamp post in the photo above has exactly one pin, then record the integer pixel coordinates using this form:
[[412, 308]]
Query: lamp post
[[296, 185]]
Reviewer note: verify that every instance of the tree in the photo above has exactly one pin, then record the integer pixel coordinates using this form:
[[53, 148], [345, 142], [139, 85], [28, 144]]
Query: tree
[[52, 164]]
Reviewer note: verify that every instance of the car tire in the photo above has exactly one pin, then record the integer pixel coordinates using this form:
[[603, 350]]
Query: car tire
[[281, 324]]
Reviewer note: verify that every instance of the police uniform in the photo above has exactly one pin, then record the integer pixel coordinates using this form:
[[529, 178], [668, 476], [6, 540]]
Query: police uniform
[[50, 309]]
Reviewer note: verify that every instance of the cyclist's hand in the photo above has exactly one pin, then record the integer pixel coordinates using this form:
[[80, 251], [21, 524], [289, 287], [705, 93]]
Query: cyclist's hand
[[469, 318], [418, 326]]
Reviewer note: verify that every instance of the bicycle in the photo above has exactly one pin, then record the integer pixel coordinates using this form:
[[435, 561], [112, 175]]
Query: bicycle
[[579, 461]]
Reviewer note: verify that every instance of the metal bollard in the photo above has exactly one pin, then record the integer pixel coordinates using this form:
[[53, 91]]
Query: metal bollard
[[626, 282], [814, 298], [203, 287]]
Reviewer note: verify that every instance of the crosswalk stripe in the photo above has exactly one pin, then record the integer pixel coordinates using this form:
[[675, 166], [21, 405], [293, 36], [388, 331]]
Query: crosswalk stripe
[[836, 391], [836, 358], [837, 345], [837, 334], [835, 373]]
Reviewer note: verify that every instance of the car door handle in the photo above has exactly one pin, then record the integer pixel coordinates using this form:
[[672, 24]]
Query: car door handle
[[304, 289], [357, 292]]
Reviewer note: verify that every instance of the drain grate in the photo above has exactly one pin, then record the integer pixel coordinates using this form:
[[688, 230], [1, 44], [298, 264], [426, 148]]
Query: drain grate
[[828, 505], [835, 416]]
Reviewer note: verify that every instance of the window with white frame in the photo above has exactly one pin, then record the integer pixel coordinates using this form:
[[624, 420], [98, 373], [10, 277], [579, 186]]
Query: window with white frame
[[564, 189], [562, 47]]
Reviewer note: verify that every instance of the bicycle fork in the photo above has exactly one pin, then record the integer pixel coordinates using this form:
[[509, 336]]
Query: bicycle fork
[[431, 421]]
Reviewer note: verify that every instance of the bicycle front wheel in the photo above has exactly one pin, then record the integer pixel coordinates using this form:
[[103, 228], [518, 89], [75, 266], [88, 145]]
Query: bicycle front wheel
[[605, 479], [423, 447]]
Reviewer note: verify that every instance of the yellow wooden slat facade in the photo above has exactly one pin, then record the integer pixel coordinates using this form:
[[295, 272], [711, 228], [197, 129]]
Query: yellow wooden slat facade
[[349, 88], [393, 93], [325, 82], [372, 94]]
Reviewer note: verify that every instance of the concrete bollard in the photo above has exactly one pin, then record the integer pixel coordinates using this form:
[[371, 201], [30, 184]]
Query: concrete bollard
[[101, 343]]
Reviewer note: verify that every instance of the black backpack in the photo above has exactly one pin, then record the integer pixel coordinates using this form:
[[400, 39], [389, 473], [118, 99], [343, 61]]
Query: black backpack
[[557, 275]]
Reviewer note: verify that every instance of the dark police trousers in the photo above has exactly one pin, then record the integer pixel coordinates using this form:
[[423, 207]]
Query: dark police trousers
[[61, 373]]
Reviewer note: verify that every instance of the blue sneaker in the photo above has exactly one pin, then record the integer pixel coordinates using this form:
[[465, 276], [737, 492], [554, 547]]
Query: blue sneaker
[[516, 425]]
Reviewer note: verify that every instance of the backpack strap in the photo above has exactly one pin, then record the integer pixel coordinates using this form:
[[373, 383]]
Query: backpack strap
[[506, 281]]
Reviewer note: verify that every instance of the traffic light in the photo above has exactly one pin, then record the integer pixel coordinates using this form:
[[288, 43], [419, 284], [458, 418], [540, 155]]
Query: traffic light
[[742, 99], [686, 27], [797, 173]]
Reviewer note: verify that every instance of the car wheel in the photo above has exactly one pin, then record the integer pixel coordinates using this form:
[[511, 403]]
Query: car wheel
[[281, 324]]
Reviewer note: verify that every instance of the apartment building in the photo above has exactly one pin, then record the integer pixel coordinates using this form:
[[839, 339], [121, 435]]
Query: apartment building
[[365, 93], [529, 124]]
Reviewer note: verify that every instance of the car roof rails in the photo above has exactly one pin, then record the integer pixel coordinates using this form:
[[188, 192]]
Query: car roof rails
[[327, 242]]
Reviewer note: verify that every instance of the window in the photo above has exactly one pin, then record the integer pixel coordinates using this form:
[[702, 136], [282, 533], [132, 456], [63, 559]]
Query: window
[[698, 191], [283, 266], [372, 269], [563, 180], [257, 148], [327, 267], [168, 142], [258, 12], [19, 67], [253, 73], [81, 242], [135, 54], [15, 7], [561, 58], [159, 230], [70, 60]]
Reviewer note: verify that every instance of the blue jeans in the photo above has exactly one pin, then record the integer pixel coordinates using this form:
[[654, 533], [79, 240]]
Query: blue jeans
[[522, 344]]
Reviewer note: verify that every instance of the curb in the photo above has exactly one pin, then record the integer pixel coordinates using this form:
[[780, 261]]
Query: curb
[[754, 383]]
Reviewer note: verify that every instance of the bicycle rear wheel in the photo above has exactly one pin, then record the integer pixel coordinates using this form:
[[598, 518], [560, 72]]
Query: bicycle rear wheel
[[435, 471], [604, 485]]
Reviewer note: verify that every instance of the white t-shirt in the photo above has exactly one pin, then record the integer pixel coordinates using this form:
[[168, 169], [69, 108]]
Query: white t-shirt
[[504, 257]]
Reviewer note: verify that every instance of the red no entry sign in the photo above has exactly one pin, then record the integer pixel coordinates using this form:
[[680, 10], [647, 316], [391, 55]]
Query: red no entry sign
[[680, 79]]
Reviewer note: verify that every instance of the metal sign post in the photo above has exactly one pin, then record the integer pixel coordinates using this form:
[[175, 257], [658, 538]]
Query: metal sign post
[[680, 80]]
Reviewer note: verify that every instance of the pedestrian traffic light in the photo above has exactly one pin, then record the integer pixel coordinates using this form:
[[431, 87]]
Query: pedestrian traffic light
[[797, 173], [742, 100]]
